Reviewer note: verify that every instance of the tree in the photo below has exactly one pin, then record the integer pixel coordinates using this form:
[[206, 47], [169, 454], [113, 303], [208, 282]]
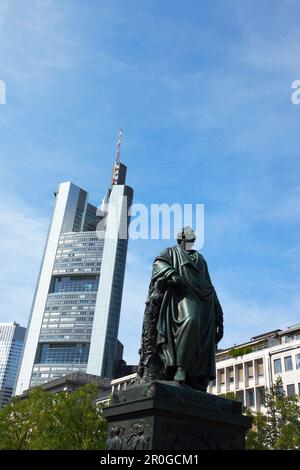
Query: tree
[[45, 421], [279, 427]]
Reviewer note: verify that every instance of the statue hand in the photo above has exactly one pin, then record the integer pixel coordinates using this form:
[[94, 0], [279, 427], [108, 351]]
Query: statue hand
[[177, 281], [220, 333]]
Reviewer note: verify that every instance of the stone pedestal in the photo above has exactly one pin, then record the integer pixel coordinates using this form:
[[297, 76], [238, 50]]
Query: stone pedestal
[[167, 416]]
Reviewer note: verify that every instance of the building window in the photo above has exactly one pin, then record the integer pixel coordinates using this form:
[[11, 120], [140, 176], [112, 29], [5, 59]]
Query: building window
[[260, 368], [297, 361], [277, 366], [75, 284], [64, 353], [250, 370], [231, 375], [240, 373], [250, 397], [291, 337], [222, 377], [261, 395], [288, 363], [290, 390]]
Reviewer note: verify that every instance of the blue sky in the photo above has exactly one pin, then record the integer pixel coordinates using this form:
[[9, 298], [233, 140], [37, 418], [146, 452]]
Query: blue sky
[[203, 93]]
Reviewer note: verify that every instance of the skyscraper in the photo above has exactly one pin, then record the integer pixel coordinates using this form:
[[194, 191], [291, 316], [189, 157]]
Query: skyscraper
[[11, 344], [76, 308]]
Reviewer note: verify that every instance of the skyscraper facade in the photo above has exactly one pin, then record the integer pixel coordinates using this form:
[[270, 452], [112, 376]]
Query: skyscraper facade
[[11, 344], [76, 309]]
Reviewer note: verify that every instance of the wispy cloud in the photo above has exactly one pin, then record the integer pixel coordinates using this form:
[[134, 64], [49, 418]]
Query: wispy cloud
[[203, 93], [23, 235], [136, 284], [4, 6], [35, 46], [244, 319], [269, 44]]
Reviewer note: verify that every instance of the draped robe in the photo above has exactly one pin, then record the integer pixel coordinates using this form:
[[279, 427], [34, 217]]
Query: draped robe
[[186, 327]]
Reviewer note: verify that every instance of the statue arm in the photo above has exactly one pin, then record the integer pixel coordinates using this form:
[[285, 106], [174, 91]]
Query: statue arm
[[219, 318], [218, 311], [162, 267]]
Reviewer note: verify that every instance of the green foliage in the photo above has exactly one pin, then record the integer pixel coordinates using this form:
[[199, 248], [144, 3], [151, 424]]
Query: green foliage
[[256, 438], [236, 352], [279, 428], [45, 421]]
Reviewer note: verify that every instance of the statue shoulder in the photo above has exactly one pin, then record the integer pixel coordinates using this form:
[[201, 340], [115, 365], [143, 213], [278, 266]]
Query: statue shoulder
[[201, 259], [167, 251], [165, 254]]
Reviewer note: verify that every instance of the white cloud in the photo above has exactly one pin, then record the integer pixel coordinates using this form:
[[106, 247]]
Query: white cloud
[[22, 239], [4, 7], [137, 279], [46, 48], [244, 318]]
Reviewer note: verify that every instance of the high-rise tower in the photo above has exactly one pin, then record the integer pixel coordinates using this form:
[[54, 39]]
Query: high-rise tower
[[11, 344], [76, 308]]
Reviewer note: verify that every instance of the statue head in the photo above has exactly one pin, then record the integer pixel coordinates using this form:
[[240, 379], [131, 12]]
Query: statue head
[[187, 237]]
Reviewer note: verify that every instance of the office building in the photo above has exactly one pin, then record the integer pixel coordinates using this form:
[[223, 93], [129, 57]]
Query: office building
[[75, 315], [263, 359], [11, 344], [72, 382]]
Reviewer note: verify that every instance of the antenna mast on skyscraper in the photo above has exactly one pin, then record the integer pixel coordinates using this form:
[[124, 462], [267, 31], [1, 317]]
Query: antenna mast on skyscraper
[[118, 153], [118, 159], [115, 172]]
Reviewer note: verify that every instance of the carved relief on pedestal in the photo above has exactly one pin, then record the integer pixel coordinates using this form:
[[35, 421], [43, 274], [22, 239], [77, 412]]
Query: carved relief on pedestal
[[133, 435]]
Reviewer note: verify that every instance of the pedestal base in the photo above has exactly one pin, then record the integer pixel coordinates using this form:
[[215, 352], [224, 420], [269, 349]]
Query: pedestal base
[[165, 415]]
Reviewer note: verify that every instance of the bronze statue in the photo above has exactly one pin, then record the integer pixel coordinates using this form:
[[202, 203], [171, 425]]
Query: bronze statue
[[183, 320]]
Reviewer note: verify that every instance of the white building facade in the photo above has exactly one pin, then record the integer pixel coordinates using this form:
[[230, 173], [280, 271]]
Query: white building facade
[[75, 314], [266, 357], [271, 355]]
